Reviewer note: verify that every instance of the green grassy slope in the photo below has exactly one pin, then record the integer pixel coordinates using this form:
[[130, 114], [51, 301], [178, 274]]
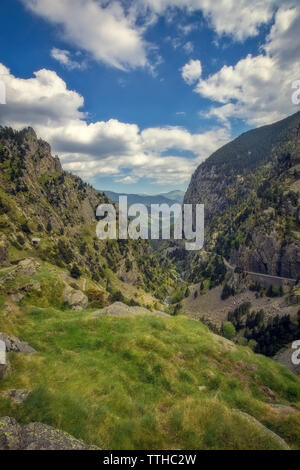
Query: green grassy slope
[[133, 383]]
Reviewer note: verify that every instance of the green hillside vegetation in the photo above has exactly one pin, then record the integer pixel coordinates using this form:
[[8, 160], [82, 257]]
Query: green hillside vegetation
[[253, 147], [269, 206], [59, 209], [250, 189], [146, 382], [118, 381]]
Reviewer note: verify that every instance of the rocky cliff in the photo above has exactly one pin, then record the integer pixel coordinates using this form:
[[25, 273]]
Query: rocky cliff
[[250, 189]]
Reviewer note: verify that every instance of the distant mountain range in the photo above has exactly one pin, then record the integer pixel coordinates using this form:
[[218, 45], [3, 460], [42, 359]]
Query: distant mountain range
[[147, 200]]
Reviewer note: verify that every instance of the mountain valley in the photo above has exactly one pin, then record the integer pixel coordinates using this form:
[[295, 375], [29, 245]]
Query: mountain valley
[[129, 344]]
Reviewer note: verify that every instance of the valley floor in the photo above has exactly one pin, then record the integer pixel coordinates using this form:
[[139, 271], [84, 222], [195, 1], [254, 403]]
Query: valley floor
[[212, 307]]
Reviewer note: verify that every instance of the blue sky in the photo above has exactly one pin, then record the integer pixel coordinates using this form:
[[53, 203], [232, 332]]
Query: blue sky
[[134, 95]]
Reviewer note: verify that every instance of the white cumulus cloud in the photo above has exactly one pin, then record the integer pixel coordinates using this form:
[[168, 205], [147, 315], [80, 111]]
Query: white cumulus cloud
[[64, 58], [102, 29], [237, 18], [192, 71], [258, 88], [114, 32], [166, 155]]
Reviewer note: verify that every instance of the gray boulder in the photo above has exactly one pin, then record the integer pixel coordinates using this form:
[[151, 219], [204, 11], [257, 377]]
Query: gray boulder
[[279, 443], [17, 297], [28, 267], [75, 298], [17, 396], [14, 344], [119, 309], [36, 436]]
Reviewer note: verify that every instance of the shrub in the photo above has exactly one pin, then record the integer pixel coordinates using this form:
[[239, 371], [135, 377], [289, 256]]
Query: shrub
[[227, 292], [274, 291], [25, 228], [252, 344], [187, 292], [229, 331], [64, 251], [177, 309], [82, 248], [117, 296], [242, 341], [20, 240], [75, 271], [96, 298], [128, 265]]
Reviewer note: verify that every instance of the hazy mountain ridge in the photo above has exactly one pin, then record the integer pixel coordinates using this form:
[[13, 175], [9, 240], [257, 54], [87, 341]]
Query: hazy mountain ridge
[[165, 198]]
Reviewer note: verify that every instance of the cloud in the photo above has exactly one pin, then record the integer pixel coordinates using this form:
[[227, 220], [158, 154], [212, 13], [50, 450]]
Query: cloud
[[127, 180], [192, 71], [187, 28], [102, 29], [114, 32], [239, 19], [188, 47], [63, 57], [166, 155], [257, 88], [283, 40]]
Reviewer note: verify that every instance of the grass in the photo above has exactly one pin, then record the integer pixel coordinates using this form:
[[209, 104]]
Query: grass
[[133, 383]]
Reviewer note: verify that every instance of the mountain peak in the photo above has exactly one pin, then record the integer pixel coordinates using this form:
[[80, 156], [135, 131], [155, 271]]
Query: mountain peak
[[33, 155]]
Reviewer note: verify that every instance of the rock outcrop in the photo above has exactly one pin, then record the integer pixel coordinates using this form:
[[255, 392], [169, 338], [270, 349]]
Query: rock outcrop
[[28, 267], [17, 396], [75, 298], [119, 309], [14, 344], [36, 436], [278, 441]]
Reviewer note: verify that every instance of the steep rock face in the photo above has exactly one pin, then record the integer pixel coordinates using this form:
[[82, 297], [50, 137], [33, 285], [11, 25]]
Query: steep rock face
[[250, 189], [36, 178], [208, 186], [267, 256], [35, 153]]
